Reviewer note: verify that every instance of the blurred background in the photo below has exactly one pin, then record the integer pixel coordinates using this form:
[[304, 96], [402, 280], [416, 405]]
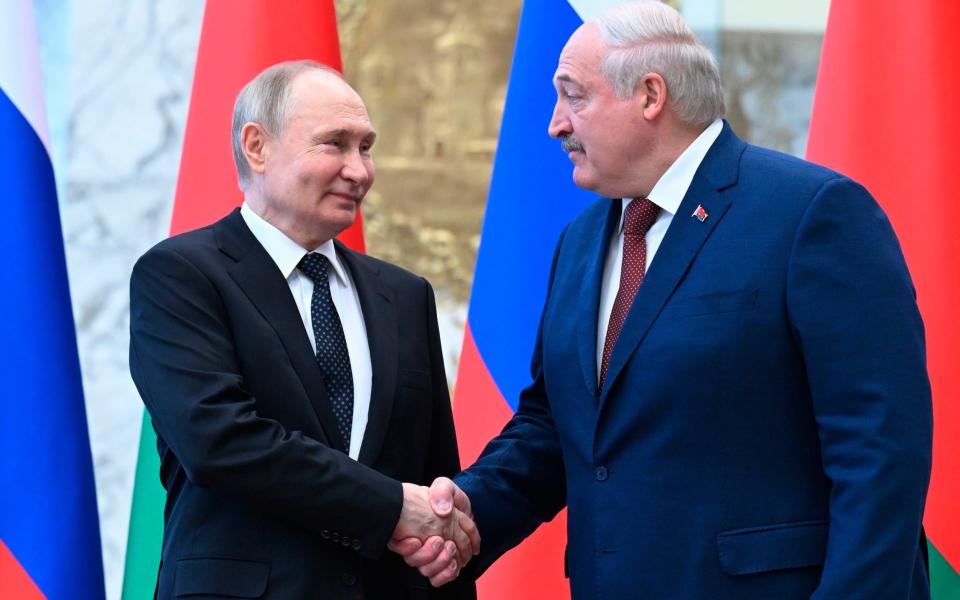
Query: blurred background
[[117, 76]]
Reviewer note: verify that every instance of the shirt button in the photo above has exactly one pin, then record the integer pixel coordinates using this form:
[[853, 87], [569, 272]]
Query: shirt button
[[335, 537], [601, 473], [325, 534], [348, 579], [356, 544], [345, 542]]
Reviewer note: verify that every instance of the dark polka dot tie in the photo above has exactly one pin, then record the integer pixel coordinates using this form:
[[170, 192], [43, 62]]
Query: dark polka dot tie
[[637, 220], [332, 354]]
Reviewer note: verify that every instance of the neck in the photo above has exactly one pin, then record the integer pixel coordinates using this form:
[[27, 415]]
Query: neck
[[669, 149]]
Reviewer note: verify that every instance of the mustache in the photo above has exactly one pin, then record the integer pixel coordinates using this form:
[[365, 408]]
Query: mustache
[[570, 144]]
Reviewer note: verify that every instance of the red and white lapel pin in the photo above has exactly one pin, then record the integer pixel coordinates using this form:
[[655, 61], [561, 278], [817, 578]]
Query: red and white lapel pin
[[700, 213]]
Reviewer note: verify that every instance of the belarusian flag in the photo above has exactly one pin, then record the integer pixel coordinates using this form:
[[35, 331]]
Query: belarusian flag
[[885, 114], [237, 41]]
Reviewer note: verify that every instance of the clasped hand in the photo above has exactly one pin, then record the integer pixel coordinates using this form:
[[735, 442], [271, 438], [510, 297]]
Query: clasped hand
[[436, 533]]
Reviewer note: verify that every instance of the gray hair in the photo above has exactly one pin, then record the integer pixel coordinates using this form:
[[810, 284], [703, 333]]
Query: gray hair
[[266, 100], [649, 36]]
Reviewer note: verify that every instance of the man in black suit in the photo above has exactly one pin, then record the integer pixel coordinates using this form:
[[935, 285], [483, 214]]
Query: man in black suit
[[293, 383]]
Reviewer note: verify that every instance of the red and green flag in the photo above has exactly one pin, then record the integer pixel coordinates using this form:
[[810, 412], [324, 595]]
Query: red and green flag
[[237, 41], [885, 114]]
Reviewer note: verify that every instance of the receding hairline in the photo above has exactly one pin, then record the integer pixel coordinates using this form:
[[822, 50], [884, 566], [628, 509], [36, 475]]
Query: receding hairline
[[343, 86], [327, 73], [266, 101], [337, 81]]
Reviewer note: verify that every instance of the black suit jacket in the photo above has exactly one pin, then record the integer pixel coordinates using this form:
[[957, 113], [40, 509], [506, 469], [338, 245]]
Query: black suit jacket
[[262, 501]]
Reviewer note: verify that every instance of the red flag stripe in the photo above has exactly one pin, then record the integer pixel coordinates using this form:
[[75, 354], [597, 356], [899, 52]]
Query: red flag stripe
[[15, 584], [270, 32], [531, 570], [237, 41], [883, 114]]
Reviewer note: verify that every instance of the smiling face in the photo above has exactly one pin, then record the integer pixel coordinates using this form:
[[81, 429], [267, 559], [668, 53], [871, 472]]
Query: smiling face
[[607, 138], [314, 173]]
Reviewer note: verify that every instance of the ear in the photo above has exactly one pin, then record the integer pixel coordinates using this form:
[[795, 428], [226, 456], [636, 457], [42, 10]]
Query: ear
[[652, 90], [254, 141]]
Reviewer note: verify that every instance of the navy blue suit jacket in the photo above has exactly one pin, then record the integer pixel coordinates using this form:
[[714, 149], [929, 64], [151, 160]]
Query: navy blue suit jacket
[[765, 427]]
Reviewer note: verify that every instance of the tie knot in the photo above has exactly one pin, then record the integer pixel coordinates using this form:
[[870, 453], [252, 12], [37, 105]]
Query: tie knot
[[639, 216], [315, 266]]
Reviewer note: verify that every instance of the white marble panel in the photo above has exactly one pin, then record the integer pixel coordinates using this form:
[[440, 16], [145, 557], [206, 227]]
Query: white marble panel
[[131, 68]]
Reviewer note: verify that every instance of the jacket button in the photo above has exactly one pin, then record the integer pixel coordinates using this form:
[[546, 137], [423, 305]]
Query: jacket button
[[356, 544], [335, 537], [345, 542], [601, 473], [348, 579], [325, 534]]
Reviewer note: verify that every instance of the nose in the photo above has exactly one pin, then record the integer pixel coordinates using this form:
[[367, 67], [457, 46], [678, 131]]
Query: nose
[[357, 168], [559, 122]]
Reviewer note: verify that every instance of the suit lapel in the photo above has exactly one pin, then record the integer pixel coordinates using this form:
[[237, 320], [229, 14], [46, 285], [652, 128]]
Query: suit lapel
[[681, 244], [257, 275], [379, 306], [589, 302]]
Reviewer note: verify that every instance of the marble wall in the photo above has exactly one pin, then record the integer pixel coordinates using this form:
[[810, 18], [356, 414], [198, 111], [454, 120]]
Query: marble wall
[[434, 74], [128, 85]]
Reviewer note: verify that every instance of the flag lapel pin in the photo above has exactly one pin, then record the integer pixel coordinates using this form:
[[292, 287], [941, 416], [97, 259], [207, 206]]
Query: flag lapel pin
[[700, 213]]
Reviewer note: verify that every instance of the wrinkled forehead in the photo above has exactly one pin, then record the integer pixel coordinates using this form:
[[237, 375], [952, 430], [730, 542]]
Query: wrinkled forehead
[[320, 92], [582, 55]]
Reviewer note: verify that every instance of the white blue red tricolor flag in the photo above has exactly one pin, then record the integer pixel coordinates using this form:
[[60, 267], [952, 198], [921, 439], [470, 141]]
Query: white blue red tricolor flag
[[49, 532], [532, 197]]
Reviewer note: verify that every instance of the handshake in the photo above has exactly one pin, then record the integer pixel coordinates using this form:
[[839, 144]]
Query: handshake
[[436, 533]]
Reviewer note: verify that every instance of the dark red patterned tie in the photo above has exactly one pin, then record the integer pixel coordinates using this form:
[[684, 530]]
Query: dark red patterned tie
[[637, 220]]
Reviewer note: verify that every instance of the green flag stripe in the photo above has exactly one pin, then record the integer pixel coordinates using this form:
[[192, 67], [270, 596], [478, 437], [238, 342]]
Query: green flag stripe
[[944, 580], [146, 520]]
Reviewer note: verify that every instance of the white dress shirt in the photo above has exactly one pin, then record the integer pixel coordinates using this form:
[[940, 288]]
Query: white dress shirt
[[667, 194], [286, 253]]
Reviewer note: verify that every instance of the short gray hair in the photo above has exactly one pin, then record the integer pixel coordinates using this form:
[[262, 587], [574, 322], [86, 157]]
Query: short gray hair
[[266, 100], [649, 36]]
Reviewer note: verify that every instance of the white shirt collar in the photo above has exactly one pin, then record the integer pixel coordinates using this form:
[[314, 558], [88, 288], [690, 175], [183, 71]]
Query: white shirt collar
[[673, 184], [285, 252]]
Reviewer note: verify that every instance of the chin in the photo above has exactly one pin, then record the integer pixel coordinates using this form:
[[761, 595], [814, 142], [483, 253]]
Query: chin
[[583, 181], [345, 218]]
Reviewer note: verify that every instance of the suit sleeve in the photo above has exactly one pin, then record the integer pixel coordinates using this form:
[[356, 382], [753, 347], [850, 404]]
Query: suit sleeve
[[183, 361], [852, 307], [443, 458], [518, 482]]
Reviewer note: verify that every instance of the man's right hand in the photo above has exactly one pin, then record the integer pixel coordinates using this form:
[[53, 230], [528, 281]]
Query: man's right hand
[[435, 528]]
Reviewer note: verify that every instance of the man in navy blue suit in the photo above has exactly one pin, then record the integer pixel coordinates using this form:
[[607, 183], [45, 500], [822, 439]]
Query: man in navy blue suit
[[729, 390]]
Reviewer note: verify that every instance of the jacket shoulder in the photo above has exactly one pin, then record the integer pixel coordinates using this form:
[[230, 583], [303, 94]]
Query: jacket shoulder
[[774, 164], [391, 273]]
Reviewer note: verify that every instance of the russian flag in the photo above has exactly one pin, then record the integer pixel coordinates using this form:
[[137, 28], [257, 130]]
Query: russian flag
[[532, 197], [49, 532]]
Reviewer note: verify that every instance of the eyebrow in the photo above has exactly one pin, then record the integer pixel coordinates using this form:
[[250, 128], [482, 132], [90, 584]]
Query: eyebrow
[[564, 78], [342, 132]]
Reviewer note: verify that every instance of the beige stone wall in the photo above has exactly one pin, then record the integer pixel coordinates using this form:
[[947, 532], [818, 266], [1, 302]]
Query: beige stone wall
[[433, 75]]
